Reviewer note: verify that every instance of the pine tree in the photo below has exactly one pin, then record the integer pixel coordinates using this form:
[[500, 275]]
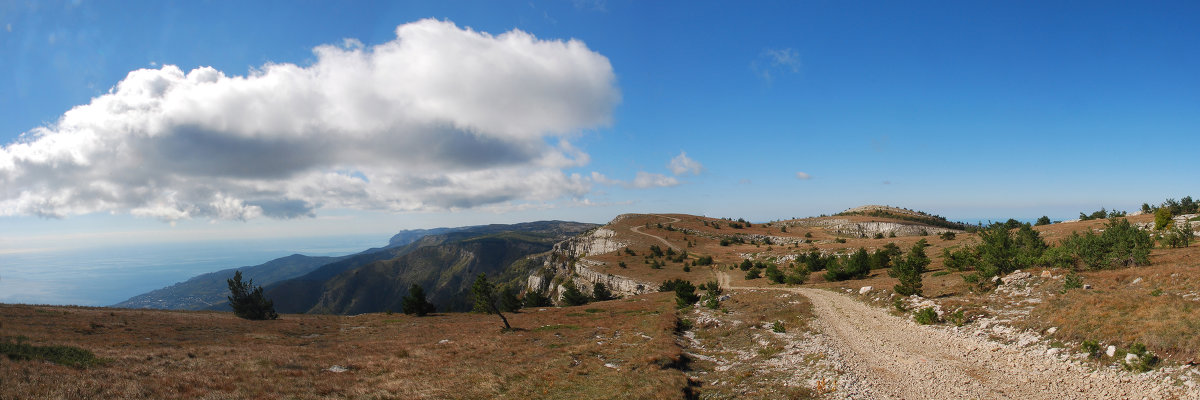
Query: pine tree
[[485, 298], [908, 270], [248, 300], [601, 292], [572, 296], [415, 303], [508, 299]]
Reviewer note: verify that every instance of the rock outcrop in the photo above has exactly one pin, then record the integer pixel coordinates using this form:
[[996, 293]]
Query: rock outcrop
[[568, 262]]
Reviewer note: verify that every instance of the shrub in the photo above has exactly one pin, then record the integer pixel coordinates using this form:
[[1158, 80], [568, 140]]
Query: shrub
[[656, 251], [572, 296], [808, 235], [712, 294], [958, 318], [62, 355], [1120, 245], [879, 235], [947, 235], [959, 260], [908, 271], [630, 252], [536, 298], [1179, 237], [704, 260], [753, 273], [415, 304], [774, 274], [840, 240], [1044, 220], [778, 327], [926, 316], [1145, 360], [248, 300], [1162, 218], [621, 264], [1072, 281], [601, 292], [670, 285], [1091, 347], [685, 294]]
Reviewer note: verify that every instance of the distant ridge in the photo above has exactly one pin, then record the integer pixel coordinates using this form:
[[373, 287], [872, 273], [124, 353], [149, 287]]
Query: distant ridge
[[873, 210]]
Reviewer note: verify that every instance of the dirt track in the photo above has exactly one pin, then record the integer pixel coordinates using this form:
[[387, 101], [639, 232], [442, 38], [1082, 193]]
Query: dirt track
[[885, 356]]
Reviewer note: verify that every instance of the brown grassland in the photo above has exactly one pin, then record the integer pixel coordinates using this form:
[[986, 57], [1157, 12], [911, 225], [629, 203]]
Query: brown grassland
[[615, 349]]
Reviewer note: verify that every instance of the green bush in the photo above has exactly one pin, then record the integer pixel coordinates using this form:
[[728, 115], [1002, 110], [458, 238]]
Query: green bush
[[1044, 220], [62, 355], [947, 235], [1145, 360], [1120, 245], [959, 260], [778, 327], [416, 304], [600, 292], [958, 318], [536, 298], [1162, 218], [572, 296], [753, 273], [909, 270], [1072, 281], [774, 274], [1091, 347], [1179, 237], [926, 316], [685, 294]]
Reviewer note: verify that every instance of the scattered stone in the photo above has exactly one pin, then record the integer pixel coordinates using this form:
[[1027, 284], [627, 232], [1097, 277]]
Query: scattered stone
[[1052, 330], [1053, 351], [865, 289], [1129, 358], [610, 365], [1110, 351], [443, 341], [1046, 274], [1087, 287], [1136, 281], [337, 369]]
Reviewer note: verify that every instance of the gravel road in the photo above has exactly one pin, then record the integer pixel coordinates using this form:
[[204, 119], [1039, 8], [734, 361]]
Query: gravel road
[[884, 356]]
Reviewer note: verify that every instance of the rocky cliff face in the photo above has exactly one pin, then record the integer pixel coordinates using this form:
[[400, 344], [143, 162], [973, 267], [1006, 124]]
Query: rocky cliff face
[[568, 262]]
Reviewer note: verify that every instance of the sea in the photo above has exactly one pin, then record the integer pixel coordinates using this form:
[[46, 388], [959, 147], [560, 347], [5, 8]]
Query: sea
[[104, 276]]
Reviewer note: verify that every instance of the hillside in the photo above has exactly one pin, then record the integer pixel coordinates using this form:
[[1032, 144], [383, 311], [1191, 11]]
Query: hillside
[[1125, 331], [444, 264]]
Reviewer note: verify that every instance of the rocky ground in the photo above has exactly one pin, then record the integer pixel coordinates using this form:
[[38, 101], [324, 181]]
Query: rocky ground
[[858, 351]]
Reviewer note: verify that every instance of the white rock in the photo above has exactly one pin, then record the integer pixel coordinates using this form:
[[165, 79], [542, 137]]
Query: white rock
[[1087, 287], [1046, 274], [337, 369], [1131, 357], [1052, 330], [865, 289], [1053, 351], [1110, 351], [1136, 281]]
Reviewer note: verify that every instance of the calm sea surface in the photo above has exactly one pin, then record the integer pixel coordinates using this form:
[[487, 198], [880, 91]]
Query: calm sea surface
[[109, 275]]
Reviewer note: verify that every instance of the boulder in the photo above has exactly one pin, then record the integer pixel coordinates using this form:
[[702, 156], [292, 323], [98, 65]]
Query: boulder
[[865, 289], [1110, 351]]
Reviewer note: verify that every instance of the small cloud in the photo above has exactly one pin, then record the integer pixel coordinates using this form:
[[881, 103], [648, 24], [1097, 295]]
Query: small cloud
[[153, 63], [744, 181], [773, 62], [887, 182], [8, 27], [591, 5], [352, 44], [803, 176], [648, 180], [681, 164], [604, 180]]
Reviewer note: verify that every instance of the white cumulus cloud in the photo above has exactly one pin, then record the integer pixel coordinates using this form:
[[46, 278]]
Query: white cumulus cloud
[[681, 164], [440, 118], [803, 176], [649, 180]]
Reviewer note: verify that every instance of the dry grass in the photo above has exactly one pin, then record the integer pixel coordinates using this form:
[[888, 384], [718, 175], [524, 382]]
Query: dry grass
[[753, 363], [559, 353]]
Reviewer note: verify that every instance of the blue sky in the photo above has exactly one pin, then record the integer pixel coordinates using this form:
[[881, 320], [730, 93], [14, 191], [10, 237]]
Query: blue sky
[[769, 110]]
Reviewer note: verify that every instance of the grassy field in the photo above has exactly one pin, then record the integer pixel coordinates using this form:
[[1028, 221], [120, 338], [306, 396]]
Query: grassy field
[[616, 349]]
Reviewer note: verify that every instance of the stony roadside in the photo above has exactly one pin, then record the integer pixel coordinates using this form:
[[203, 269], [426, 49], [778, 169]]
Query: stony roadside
[[878, 355]]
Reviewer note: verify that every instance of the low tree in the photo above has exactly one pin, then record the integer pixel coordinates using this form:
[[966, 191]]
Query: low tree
[[509, 301], [248, 300], [1162, 218], [415, 303], [572, 296], [908, 270], [601, 292], [536, 298], [685, 294], [485, 297], [1044, 220]]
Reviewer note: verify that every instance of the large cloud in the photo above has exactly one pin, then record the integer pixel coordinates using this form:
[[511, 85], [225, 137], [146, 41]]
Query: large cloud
[[440, 118]]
